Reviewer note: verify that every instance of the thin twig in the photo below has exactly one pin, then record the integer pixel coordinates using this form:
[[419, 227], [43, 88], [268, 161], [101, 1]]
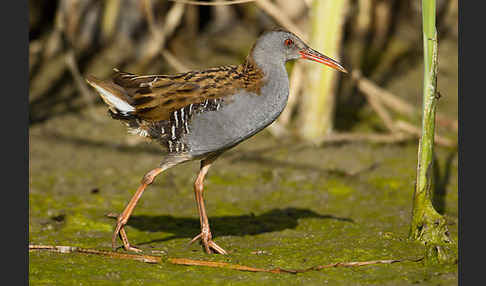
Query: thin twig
[[394, 102], [376, 104], [382, 112], [366, 86], [412, 129], [357, 263], [191, 262], [111, 254], [376, 96]]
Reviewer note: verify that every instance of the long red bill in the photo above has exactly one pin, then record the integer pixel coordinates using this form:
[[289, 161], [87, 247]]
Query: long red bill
[[320, 58]]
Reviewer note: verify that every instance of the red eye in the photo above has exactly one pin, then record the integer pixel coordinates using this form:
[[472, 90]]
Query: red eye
[[288, 42]]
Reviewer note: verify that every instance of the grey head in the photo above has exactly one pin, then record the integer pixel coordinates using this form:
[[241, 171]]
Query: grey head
[[279, 46]]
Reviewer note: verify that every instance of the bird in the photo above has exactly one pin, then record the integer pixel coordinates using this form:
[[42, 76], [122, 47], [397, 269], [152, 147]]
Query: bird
[[198, 115]]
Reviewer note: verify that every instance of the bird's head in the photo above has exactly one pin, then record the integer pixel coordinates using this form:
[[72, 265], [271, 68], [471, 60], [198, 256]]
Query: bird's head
[[282, 45]]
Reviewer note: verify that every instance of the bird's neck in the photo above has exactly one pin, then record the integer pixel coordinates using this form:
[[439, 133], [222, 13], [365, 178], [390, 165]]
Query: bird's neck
[[274, 74], [271, 67], [274, 88]]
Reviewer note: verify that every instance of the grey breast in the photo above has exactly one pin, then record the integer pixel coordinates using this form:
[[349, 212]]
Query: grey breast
[[241, 116]]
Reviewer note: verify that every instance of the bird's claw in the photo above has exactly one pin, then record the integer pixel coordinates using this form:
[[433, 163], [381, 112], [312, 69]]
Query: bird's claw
[[209, 245]]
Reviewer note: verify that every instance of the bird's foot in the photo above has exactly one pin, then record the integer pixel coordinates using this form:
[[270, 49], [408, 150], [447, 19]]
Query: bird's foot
[[132, 248], [209, 245], [120, 231]]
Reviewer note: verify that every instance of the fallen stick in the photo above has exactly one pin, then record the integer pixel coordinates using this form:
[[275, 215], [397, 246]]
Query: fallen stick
[[111, 254], [192, 262]]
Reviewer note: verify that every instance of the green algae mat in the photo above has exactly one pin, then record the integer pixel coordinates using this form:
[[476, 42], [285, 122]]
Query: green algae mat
[[271, 203]]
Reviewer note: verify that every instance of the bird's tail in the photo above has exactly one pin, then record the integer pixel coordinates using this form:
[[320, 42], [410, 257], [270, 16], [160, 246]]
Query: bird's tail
[[115, 96]]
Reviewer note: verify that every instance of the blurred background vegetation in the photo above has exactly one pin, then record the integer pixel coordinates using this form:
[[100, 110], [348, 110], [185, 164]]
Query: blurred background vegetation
[[377, 40]]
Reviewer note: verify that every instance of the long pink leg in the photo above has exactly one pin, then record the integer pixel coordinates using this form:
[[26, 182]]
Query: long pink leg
[[205, 235], [125, 215]]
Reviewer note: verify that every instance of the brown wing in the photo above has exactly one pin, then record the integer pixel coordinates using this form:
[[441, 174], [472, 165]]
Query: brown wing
[[155, 97]]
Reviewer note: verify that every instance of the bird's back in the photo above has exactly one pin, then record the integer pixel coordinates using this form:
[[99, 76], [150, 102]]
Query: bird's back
[[196, 112]]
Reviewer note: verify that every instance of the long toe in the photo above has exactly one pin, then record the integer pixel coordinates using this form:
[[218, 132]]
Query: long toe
[[132, 248], [209, 245], [216, 248], [197, 237]]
